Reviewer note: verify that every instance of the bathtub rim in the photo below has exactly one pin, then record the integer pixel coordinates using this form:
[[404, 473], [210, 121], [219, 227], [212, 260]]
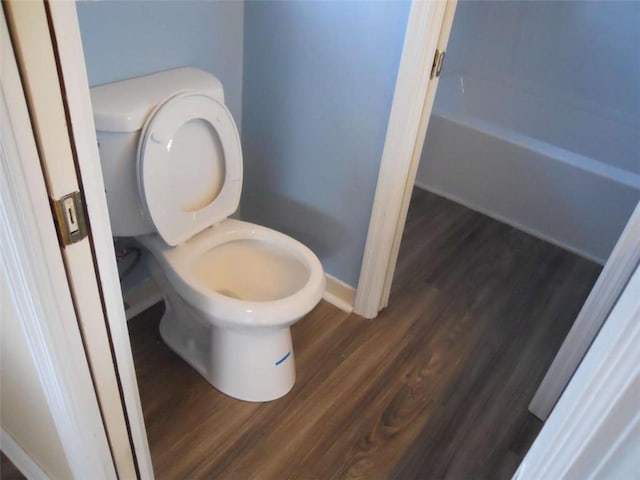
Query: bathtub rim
[[513, 137]]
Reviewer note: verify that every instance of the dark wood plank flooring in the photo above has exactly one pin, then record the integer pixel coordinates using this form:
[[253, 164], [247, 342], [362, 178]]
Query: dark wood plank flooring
[[436, 387], [8, 471]]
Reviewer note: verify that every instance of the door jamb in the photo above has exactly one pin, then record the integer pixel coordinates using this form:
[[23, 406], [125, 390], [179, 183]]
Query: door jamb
[[73, 72], [428, 28], [445, 32]]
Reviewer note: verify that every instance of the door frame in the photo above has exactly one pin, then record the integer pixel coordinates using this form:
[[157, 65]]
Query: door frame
[[35, 42], [428, 28], [33, 266], [70, 56], [49, 51]]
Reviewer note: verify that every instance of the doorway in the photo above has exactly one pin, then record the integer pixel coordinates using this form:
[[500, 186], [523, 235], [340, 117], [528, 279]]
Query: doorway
[[555, 183]]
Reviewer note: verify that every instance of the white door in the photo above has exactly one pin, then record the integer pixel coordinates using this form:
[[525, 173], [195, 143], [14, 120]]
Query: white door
[[50, 416], [46, 37]]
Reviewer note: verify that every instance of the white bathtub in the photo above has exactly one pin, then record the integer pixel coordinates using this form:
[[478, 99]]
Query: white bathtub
[[563, 171]]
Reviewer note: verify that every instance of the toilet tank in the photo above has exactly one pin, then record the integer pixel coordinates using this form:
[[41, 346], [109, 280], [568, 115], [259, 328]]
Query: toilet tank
[[120, 110]]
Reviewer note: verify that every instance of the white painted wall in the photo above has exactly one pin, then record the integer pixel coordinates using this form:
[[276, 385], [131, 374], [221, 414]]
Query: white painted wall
[[24, 413], [124, 39]]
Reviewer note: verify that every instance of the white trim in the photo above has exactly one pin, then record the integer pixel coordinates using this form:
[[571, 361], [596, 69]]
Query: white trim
[[20, 459], [339, 294], [408, 109], [597, 414], [443, 40], [32, 263], [612, 280], [71, 58]]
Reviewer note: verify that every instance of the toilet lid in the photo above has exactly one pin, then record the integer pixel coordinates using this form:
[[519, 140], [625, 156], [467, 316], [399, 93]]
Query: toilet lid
[[189, 165]]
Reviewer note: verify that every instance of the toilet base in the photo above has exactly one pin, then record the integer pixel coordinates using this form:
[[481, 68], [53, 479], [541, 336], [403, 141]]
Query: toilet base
[[255, 365]]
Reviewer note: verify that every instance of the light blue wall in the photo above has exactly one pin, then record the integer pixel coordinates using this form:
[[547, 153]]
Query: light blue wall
[[124, 39], [318, 83], [312, 81], [583, 52]]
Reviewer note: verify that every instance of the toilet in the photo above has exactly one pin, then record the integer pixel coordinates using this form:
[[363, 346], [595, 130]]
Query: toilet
[[172, 165]]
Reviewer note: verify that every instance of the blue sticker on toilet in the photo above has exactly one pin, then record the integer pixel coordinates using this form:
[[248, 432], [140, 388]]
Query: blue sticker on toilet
[[283, 358]]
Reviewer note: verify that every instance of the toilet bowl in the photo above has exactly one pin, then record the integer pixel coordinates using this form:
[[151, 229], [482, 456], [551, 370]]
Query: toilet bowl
[[232, 292], [232, 289]]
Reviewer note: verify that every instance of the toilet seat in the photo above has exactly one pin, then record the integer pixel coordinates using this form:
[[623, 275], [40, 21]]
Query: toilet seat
[[238, 273], [185, 264], [183, 141]]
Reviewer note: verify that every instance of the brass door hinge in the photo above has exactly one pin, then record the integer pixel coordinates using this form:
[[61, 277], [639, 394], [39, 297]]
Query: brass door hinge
[[438, 62], [68, 212]]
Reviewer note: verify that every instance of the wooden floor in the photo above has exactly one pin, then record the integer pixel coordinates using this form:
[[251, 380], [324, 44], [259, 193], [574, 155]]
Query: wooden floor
[[436, 387], [8, 471]]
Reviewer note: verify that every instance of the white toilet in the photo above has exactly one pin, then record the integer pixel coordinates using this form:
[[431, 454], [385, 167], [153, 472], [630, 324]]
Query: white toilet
[[172, 165]]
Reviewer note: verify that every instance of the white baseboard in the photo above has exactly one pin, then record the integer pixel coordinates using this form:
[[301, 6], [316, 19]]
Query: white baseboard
[[20, 458], [339, 294]]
